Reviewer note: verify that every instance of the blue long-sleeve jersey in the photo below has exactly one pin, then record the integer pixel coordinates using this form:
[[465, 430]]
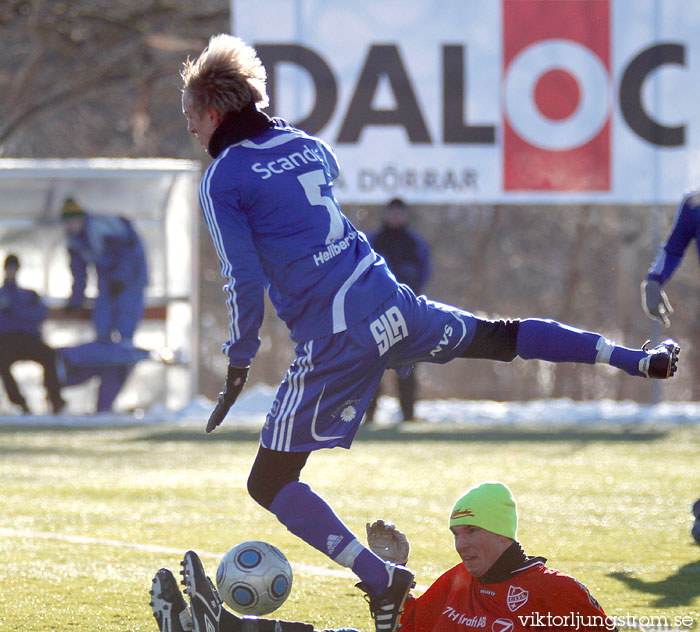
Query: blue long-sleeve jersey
[[686, 227], [276, 225], [21, 310], [112, 245]]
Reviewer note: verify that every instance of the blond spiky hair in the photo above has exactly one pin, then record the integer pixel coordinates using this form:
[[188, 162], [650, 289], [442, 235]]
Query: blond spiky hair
[[227, 76]]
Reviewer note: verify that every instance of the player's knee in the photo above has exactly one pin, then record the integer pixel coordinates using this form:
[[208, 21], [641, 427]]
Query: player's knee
[[271, 471], [494, 340], [260, 490]]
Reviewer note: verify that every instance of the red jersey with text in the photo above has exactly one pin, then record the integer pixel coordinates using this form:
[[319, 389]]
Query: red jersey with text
[[537, 598]]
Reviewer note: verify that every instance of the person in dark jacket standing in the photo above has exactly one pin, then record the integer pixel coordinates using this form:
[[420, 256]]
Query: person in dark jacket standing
[[408, 256], [21, 315], [655, 302]]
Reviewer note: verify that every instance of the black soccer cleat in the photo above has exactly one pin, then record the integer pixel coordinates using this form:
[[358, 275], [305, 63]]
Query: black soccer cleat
[[661, 361], [205, 602], [386, 608], [168, 604]]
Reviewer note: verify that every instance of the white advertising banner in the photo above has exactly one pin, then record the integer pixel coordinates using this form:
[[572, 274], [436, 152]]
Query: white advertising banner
[[495, 101]]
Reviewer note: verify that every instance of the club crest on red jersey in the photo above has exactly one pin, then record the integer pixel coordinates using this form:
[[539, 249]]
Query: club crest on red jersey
[[516, 598]]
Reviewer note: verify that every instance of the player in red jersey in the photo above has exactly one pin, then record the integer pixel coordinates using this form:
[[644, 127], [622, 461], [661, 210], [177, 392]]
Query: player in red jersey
[[495, 587]]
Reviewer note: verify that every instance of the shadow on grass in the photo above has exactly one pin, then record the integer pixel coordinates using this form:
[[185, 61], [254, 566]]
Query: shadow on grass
[[494, 433], [432, 432], [679, 589]]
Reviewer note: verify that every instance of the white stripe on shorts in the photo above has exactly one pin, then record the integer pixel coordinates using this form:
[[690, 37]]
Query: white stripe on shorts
[[284, 422]]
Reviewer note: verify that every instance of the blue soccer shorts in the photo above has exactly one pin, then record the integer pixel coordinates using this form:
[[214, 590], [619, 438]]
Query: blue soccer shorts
[[324, 396]]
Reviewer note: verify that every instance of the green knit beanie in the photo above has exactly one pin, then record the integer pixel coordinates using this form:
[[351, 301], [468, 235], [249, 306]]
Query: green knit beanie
[[490, 506]]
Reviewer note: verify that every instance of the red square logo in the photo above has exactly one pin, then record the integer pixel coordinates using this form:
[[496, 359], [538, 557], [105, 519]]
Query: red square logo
[[556, 95]]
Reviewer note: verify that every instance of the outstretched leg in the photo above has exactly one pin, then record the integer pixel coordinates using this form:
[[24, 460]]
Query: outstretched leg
[[538, 339], [274, 483], [320, 403], [207, 613]]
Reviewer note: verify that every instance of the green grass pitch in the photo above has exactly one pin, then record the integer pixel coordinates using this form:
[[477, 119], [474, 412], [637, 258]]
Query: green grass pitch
[[89, 514]]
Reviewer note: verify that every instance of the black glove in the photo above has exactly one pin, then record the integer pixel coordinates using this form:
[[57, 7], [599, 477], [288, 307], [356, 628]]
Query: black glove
[[116, 287], [235, 380], [655, 302]]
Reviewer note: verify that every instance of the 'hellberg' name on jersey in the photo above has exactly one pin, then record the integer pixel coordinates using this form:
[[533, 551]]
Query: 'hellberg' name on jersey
[[269, 205]]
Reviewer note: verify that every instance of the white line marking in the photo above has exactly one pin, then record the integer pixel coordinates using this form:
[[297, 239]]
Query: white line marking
[[307, 569], [154, 548]]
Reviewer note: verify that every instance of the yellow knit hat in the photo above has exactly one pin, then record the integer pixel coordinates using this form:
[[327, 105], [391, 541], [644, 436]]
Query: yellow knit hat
[[71, 208]]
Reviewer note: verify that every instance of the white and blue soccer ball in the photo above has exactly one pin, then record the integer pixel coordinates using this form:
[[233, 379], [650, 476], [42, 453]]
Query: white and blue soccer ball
[[254, 578]]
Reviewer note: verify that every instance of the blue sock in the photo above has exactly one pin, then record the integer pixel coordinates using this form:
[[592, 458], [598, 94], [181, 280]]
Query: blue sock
[[552, 341], [309, 517], [628, 360], [549, 340]]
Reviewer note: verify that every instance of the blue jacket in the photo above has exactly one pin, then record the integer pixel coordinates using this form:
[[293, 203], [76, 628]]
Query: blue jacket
[[20, 310], [110, 244], [268, 202]]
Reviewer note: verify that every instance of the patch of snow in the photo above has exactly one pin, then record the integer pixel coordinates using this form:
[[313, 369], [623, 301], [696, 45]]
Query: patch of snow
[[254, 403]]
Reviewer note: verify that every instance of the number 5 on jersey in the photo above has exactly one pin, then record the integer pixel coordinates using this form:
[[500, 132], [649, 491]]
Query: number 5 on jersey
[[314, 182]]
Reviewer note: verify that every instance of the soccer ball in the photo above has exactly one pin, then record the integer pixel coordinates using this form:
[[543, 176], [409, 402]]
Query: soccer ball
[[254, 578]]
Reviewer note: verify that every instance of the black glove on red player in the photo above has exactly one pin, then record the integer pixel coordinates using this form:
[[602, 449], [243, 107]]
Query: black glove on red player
[[235, 380]]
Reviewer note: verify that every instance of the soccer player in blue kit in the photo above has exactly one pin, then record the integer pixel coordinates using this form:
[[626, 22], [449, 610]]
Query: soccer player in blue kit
[[268, 202], [686, 228]]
